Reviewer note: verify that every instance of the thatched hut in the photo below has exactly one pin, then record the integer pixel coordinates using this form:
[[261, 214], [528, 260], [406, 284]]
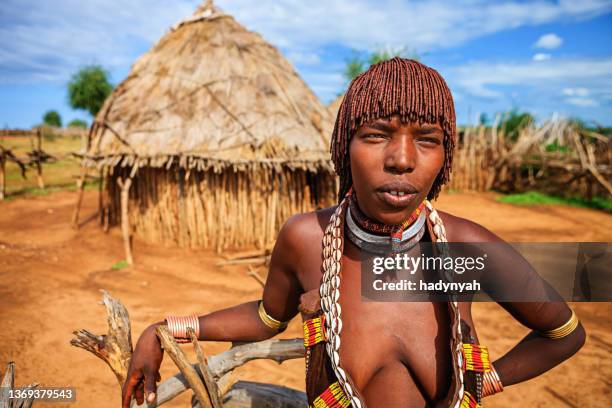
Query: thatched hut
[[218, 136]]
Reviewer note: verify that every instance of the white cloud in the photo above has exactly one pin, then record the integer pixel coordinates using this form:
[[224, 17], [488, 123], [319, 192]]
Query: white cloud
[[577, 78], [541, 57], [549, 41], [575, 92], [303, 58], [366, 24], [583, 102], [45, 41]]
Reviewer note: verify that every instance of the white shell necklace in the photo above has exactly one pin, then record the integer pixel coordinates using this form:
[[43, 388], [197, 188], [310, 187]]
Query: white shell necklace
[[333, 246]]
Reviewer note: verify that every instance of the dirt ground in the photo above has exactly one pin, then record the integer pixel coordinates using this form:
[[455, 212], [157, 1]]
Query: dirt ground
[[50, 277]]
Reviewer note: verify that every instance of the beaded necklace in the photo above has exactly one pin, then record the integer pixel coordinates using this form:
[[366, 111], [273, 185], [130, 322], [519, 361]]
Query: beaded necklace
[[398, 233]]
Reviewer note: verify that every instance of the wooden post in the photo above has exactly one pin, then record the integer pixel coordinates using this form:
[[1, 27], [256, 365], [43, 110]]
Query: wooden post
[[179, 358], [2, 175], [41, 182], [125, 222], [80, 187], [100, 196], [209, 382], [183, 228]]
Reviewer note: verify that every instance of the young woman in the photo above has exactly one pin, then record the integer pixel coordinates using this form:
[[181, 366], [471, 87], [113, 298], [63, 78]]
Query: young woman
[[392, 148]]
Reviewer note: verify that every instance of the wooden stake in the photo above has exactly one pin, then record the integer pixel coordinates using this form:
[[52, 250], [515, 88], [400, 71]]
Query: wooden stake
[[209, 382], [80, 187], [179, 358], [41, 182], [125, 222], [2, 175], [100, 196]]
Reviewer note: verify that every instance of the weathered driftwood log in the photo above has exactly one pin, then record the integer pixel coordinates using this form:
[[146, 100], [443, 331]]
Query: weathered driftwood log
[[8, 382], [247, 394], [115, 348]]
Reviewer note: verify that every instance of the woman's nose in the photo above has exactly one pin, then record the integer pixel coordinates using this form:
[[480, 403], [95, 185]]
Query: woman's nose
[[400, 155]]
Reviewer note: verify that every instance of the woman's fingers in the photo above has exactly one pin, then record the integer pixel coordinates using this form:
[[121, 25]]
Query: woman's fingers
[[139, 392], [129, 388], [150, 385]]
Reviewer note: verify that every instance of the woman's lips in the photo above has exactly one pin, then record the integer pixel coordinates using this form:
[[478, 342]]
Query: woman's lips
[[396, 199]]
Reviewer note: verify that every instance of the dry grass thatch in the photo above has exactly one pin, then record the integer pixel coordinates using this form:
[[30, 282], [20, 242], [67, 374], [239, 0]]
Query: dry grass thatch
[[221, 136], [213, 91]]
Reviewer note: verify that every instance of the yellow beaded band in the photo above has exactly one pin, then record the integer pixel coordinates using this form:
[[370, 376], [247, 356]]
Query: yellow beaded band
[[269, 320], [562, 331]]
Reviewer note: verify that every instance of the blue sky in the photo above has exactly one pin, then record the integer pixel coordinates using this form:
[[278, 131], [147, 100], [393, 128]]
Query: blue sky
[[548, 57]]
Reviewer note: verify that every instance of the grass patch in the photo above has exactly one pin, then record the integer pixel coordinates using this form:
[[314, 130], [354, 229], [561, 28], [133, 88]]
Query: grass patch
[[38, 192], [120, 265], [537, 198], [57, 174]]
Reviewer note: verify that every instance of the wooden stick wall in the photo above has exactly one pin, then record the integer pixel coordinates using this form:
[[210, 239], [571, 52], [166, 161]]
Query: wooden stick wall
[[204, 209]]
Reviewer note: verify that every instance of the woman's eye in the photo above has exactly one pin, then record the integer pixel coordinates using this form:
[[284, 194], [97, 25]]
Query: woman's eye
[[374, 136], [429, 140]]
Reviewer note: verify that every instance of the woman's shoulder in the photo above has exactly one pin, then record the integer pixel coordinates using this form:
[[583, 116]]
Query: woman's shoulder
[[460, 229], [300, 231]]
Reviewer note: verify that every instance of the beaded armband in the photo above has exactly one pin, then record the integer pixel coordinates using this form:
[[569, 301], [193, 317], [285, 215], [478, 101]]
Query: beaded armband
[[269, 320], [562, 331]]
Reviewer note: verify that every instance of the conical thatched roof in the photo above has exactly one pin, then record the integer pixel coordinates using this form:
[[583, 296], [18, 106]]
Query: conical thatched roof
[[212, 94]]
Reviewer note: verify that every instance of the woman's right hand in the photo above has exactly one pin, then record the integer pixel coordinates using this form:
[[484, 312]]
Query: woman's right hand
[[143, 372]]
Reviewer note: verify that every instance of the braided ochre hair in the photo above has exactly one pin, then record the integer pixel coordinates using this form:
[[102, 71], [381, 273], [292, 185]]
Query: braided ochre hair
[[399, 86]]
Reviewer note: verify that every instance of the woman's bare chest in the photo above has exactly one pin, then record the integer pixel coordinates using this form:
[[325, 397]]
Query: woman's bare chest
[[378, 335]]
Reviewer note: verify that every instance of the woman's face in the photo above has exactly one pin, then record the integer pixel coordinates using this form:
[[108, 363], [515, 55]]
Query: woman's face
[[394, 165]]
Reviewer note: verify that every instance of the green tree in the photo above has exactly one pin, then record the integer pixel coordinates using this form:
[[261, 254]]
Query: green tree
[[358, 64], [483, 119], [354, 66], [88, 89], [78, 123], [52, 118], [514, 121]]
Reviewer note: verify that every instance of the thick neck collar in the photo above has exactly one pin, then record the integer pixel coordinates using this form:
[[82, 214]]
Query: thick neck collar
[[369, 225]]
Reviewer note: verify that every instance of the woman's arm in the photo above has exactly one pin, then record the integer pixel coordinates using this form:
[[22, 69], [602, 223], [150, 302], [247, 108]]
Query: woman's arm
[[516, 286], [536, 354], [280, 297], [237, 323]]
